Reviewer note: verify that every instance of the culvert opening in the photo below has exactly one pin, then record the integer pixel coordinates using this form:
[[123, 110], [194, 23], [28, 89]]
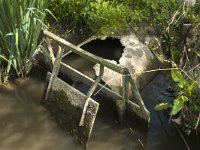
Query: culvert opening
[[110, 48]]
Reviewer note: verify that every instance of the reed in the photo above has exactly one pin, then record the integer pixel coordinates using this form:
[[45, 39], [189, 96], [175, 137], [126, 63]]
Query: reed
[[21, 22]]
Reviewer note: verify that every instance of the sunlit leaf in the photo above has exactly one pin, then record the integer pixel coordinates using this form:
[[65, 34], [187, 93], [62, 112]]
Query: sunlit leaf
[[178, 104], [178, 78], [162, 106], [190, 87]]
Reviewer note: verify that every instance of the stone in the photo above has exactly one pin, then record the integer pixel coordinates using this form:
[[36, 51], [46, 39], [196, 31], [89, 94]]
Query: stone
[[136, 57]]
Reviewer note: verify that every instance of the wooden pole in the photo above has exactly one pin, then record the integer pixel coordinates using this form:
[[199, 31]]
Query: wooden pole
[[56, 68], [139, 100], [84, 53], [89, 94], [125, 96]]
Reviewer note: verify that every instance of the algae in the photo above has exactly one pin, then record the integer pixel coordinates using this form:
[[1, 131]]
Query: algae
[[68, 116]]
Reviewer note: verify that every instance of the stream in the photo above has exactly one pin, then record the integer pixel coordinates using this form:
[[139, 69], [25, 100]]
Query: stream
[[26, 125]]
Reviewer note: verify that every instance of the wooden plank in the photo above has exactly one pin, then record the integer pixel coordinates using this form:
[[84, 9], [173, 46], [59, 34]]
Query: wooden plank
[[78, 76], [125, 84], [66, 104], [56, 68], [84, 53]]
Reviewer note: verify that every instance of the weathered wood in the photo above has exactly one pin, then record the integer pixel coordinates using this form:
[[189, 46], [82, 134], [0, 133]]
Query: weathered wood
[[78, 76], [47, 40], [89, 94], [84, 53], [139, 100], [120, 110], [66, 105], [138, 111], [125, 84], [113, 96], [56, 68], [124, 71], [125, 96]]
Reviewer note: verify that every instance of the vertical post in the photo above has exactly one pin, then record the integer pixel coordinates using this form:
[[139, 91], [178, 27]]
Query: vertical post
[[121, 104], [56, 68], [125, 83], [145, 113]]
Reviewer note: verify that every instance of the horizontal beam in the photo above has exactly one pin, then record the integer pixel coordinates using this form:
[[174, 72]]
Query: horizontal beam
[[84, 53]]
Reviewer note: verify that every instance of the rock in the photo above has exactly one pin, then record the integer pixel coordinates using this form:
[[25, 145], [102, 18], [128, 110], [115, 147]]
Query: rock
[[137, 58]]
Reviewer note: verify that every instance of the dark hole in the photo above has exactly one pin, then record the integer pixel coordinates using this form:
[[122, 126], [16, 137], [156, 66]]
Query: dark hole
[[110, 48]]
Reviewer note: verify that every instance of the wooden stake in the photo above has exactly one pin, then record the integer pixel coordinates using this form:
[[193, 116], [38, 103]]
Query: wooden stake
[[89, 94], [56, 68]]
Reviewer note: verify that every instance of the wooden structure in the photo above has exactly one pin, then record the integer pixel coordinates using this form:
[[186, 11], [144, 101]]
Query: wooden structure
[[137, 106]]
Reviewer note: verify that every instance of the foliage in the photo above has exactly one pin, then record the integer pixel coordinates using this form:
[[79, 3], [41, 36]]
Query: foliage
[[21, 22], [187, 89], [111, 16], [193, 14], [184, 52]]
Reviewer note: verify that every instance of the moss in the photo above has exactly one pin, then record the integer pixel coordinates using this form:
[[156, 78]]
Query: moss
[[68, 116]]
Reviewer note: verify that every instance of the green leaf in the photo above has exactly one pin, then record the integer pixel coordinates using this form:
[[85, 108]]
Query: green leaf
[[178, 78], [162, 106], [154, 5], [178, 104], [176, 55], [189, 88]]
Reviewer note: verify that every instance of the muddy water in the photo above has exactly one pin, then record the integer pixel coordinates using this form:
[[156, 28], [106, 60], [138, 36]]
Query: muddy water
[[26, 125]]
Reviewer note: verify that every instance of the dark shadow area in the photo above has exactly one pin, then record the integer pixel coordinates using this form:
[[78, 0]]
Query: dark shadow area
[[110, 48], [162, 134]]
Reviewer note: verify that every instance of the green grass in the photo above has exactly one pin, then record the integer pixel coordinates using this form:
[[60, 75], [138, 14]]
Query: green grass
[[21, 22]]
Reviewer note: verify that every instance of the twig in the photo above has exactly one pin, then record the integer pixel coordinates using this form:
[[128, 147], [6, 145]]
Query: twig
[[183, 138], [106, 84], [148, 71], [197, 122], [194, 67], [174, 17], [166, 69], [133, 132]]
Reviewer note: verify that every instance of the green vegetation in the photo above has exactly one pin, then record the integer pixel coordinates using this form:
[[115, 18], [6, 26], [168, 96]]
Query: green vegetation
[[185, 91], [116, 17], [111, 16], [184, 58], [21, 22]]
